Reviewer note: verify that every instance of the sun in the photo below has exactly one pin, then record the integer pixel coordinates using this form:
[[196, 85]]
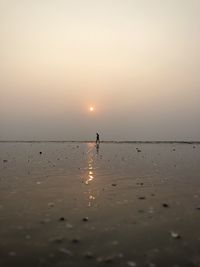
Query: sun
[[91, 109]]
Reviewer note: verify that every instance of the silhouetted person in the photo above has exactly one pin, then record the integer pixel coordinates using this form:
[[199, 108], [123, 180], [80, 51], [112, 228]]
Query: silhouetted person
[[97, 139]]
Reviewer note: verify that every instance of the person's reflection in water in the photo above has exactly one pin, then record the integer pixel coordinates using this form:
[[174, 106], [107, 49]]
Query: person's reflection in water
[[97, 149]]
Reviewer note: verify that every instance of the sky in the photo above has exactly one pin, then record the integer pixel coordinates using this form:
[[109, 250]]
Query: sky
[[136, 62]]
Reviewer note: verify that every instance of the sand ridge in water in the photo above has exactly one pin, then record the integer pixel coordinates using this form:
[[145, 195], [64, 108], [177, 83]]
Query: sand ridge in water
[[123, 204]]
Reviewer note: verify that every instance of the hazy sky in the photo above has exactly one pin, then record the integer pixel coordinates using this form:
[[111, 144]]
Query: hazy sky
[[137, 62]]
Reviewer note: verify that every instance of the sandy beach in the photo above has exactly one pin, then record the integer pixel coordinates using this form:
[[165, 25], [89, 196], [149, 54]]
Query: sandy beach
[[75, 204]]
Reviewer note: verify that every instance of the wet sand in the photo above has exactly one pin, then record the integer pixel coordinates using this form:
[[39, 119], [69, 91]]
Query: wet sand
[[73, 204]]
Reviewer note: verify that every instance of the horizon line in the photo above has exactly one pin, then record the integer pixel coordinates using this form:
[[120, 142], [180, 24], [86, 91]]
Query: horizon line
[[103, 141]]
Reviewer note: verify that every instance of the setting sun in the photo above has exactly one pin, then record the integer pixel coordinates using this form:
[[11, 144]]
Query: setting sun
[[91, 109]]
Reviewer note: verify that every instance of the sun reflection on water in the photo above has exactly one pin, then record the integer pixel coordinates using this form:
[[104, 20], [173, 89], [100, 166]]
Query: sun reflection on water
[[90, 173]]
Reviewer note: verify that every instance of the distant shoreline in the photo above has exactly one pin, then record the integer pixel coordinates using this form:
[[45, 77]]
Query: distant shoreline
[[104, 142]]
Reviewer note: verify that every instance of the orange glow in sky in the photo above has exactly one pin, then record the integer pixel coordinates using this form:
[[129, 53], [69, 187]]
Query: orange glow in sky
[[108, 66]]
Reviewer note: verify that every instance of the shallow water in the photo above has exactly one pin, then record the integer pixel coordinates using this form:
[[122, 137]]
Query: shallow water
[[140, 208]]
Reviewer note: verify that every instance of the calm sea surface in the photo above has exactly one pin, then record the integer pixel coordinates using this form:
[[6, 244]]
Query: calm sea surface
[[76, 204]]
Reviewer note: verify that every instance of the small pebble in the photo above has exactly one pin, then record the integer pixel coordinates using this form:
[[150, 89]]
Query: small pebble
[[131, 263], [69, 225], [114, 184], [85, 219], [5, 160], [62, 219], [175, 235], [51, 204], [75, 240], [141, 198], [165, 205], [65, 251], [40, 152]]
